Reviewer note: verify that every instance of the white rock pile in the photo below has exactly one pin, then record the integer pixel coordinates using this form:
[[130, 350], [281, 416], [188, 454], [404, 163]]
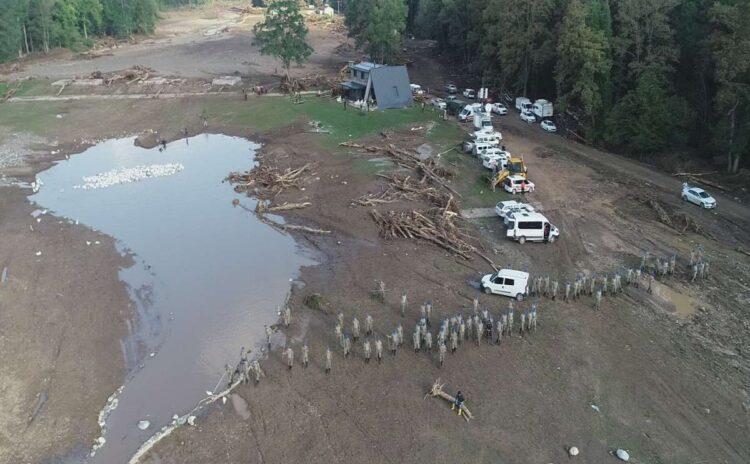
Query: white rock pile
[[128, 175]]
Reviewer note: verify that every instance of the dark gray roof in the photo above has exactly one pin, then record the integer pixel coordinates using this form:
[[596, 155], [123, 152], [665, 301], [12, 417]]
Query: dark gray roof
[[391, 86]]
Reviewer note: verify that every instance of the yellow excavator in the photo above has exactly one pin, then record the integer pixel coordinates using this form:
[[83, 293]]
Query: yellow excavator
[[515, 166]]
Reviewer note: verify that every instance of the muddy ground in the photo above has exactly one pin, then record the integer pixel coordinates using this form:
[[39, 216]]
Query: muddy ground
[[667, 387], [668, 371]]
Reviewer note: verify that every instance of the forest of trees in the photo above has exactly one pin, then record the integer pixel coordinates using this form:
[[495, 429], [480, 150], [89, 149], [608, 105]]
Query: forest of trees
[[36, 26], [637, 76]]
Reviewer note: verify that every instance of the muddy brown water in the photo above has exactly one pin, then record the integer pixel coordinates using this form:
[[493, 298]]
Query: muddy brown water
[[208, 275], [679, 303]]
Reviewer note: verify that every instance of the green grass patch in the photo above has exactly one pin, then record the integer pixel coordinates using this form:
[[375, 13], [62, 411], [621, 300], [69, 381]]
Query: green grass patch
[[352, 124], [258, 114], [31, 117]]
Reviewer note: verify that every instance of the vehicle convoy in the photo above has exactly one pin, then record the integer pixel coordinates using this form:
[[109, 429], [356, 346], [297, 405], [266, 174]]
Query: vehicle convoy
[[698, 196], [523, 104], [542, 109], [506, 282], [532, 227], [518, 184]]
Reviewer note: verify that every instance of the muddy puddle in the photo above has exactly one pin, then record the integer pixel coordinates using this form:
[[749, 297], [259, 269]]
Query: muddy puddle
[[675, 302], [207, 277]]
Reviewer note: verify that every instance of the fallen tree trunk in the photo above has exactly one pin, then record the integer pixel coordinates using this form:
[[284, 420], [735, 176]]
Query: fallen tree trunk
[[437, 390]]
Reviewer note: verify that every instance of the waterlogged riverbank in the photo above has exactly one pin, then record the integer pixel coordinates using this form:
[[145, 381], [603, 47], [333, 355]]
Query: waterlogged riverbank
[[207, 277]]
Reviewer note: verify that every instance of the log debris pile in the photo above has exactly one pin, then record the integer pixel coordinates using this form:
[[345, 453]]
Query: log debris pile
[[428, 168], [309, 82], [269, 181], [134, 74], [406, 187], [436, 225], [439, 224], [437, 391]]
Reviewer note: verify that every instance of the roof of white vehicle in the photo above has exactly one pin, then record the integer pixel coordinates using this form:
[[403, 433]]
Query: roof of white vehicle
[[518, 177], [507, 203], [529, 216], [512, 273], [697, 189]]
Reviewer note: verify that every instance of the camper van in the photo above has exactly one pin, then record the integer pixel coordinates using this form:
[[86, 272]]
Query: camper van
[[534, 227], [506, 282]]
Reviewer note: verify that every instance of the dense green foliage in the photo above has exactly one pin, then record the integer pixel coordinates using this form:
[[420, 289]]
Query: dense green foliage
[[283, 33], [377, 25], [33, 26], [639, 76]]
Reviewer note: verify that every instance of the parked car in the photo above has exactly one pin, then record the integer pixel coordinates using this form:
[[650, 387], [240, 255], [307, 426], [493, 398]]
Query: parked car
[[506, 282], [518, 184], [499, 109], [416, 89], [451, 88], [470, 93], [698, 196], [528, 116], [438, 103], [532, 227], [548, 125], [509, 206]]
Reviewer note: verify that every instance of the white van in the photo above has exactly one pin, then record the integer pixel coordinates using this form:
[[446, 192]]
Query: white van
[[483, 122], [480, 149], [506, 282], [523, 226], [495, 162], [468, 112], [490, 137]]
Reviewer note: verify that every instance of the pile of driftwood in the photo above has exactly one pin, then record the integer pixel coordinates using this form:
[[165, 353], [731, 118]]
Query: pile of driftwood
[[270, 178], [436, 225], [309, 82], [428, 168], [134, 74], [406, 187], [437, 391]]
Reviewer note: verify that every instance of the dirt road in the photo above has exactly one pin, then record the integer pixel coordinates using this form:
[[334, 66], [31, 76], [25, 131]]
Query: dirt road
[[206, 42]]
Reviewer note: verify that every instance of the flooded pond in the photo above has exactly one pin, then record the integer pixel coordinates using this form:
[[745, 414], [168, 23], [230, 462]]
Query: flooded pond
[[207, 275]]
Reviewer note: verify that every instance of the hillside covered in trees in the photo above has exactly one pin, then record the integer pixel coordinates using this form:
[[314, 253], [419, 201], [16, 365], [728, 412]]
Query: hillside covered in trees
[[637, 76], [33, 26]]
